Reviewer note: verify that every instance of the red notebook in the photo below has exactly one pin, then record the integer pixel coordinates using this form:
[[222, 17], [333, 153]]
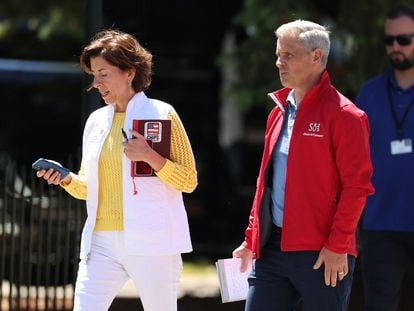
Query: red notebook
[[158, 135]]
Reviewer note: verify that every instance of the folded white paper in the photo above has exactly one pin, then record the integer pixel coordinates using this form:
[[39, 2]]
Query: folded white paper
[[233, 283]]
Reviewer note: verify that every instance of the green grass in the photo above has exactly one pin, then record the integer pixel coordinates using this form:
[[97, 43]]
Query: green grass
[[198, 267]]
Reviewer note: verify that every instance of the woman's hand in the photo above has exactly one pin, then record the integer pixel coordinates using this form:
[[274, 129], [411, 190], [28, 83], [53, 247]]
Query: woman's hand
[[138, 149], [53, 177]]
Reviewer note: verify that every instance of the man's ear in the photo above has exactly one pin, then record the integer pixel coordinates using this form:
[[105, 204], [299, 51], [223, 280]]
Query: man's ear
[[317, 55]]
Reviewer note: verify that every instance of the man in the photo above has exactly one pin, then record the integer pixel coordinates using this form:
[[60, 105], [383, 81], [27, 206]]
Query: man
[[388, 221], [312, 185]]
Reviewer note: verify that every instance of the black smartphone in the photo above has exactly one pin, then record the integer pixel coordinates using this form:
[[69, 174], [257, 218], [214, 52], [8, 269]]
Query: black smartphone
[[44, 164]]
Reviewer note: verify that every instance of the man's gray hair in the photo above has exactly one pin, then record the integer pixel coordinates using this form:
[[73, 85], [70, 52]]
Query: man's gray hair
[[310, 34]]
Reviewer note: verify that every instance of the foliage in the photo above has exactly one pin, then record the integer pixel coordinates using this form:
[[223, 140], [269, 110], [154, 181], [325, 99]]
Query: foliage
[[45, 17], [361, 32], [357, 52], [198, 267], [37, 23], [256, 54]]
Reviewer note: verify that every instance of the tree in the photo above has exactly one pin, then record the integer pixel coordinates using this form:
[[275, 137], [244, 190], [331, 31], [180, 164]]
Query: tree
[[357, 52], [41, 30], [256, 54]]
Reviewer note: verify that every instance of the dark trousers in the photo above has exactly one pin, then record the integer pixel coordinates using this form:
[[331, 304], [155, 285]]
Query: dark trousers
[[385, 257], [282, 279]]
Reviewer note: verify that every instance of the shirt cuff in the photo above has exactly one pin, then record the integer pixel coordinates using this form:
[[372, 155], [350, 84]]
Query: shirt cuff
[[166, 171], [70, 186]]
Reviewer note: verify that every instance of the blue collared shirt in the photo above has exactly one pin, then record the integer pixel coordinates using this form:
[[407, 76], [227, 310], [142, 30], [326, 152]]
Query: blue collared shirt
[[390, 208], [279, 158]]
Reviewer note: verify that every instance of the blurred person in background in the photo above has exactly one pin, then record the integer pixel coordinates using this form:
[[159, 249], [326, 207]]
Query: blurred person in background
[[388, 220], [137, 227], [312, 185]]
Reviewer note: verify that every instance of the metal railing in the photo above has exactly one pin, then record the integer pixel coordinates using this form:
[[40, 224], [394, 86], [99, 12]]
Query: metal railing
[[40, 228]]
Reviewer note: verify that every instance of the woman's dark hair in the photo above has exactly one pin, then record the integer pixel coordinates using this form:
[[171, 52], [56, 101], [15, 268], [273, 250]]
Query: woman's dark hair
[[123, 51]]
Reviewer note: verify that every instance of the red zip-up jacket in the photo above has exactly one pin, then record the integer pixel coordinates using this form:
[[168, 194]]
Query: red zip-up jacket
[[328, 174]]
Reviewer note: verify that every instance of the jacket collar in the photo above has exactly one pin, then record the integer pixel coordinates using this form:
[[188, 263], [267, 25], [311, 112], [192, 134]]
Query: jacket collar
[[136, 102], [279, 97]]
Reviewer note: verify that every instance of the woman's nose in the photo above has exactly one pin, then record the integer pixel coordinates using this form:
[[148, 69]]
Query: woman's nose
[[96, 82]]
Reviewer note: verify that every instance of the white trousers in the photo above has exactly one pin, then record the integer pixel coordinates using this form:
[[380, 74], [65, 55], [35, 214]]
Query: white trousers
[[109, 267]]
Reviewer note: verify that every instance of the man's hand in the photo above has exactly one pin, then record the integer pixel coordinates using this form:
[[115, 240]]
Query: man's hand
[[245, 254], [336, 266]]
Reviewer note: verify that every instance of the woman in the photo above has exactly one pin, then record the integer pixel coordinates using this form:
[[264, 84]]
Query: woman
[[137, 227]]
